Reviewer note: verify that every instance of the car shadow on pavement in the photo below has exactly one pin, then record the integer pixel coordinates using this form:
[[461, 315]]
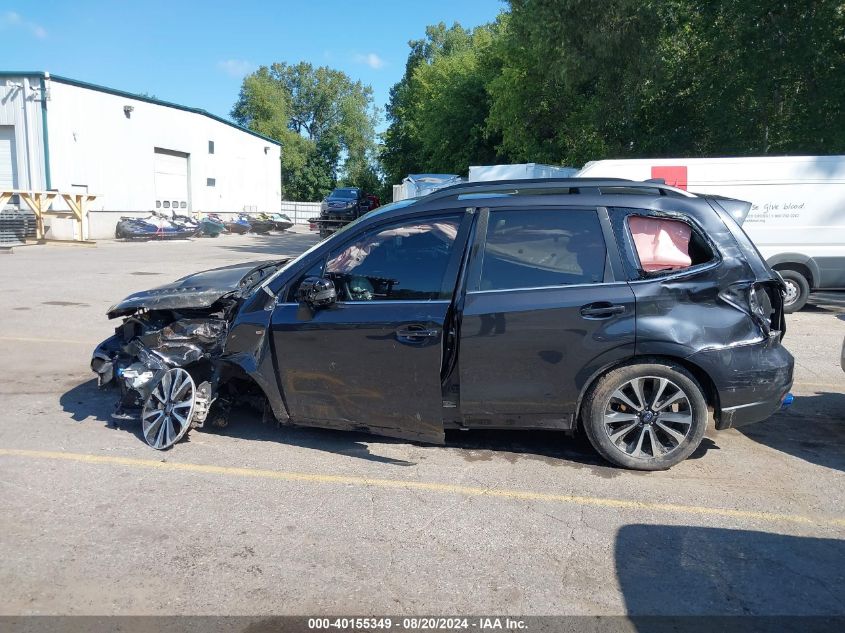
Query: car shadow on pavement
[[246, 424], [552, 447], [88, 402], [823, 301], [694, 571], [813, 429]]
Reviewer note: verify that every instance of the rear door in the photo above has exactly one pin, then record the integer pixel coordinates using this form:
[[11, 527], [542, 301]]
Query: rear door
[[373, 360], [543, 312]]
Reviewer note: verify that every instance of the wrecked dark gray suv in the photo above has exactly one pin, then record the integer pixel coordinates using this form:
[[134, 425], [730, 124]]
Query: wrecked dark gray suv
[[630, 311]]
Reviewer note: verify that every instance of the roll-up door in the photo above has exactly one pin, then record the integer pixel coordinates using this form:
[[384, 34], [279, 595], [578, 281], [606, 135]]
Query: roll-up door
[[172, 190], [8, 171]]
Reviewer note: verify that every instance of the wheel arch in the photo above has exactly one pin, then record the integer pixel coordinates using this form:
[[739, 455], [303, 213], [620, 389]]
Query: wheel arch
[[799, 263], [711, 393]]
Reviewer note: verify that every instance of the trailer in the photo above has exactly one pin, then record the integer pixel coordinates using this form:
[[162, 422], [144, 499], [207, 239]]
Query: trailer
[[797, 216]]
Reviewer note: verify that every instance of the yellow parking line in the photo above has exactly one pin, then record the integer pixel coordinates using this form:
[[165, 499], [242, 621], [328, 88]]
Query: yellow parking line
[[522, 495], [51, 341]]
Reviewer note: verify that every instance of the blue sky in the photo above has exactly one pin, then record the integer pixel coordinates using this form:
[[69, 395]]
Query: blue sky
[[196, 53]]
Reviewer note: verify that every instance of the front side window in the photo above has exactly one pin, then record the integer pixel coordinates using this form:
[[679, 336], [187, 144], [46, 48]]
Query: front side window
[[403, 261], [540, 248]]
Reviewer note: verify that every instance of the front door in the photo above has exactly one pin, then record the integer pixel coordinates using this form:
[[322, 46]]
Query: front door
[[542, 314], [372, 361]]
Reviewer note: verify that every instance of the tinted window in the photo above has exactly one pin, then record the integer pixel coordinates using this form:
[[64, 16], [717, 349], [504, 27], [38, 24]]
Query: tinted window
[[530, 249], [404, 261]]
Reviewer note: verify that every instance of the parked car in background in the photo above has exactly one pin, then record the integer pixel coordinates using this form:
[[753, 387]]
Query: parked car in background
[[624, 310], [797, 214], [373, 201], [340, 207]]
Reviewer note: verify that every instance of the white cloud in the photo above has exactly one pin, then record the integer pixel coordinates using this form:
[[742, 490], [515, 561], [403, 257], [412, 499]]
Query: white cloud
[[370, 59], [11, 19], [235, 67]]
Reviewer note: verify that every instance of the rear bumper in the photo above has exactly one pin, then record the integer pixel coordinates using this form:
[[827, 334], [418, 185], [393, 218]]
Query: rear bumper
[[751, 380]]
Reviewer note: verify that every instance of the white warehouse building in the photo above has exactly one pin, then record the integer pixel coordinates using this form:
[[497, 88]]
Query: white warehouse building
[[136, 154]]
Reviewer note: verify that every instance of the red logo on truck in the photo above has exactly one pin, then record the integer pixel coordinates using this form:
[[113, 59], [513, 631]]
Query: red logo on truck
[[674, 176]]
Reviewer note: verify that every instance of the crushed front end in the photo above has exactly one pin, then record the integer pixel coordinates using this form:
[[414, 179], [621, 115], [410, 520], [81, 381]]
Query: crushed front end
[[165, 356], [164, 364]]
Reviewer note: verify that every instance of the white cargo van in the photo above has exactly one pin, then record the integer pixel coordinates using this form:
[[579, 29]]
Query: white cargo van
[[797, 217]]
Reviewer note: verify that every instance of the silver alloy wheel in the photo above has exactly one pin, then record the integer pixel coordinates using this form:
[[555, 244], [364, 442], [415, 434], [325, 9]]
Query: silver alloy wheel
[[792, 292], [166, 415], [648, 417]]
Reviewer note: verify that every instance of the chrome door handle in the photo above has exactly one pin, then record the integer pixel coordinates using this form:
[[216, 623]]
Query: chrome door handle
[[416, 335], [601, 311]]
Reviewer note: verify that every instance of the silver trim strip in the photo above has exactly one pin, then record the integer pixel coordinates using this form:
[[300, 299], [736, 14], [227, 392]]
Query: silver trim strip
[[603, 284], [377, 302]]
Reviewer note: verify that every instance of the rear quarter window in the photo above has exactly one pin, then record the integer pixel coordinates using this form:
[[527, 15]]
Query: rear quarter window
[[658, 243], [661, 244]]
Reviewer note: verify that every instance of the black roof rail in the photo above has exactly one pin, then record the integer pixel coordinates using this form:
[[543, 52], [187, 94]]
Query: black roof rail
[[571, 185]]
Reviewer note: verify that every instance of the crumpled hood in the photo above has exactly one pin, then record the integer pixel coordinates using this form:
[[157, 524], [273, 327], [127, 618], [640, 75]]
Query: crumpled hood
[[199, 290]]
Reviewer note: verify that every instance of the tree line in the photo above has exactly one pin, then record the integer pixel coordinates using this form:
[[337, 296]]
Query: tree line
[[568, 81]]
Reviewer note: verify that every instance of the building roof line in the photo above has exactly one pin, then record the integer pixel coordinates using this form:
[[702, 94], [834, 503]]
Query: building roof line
[[131, 95]]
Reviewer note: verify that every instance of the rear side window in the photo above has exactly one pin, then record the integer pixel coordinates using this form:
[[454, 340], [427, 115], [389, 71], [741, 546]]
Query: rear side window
[[539, 248], [661, 244]]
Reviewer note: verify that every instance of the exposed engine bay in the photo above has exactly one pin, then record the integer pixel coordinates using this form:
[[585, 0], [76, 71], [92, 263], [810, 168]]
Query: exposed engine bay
[[166, 356]]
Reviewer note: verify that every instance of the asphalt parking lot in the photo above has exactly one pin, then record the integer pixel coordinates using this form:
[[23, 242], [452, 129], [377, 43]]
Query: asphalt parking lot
[[255, 519]]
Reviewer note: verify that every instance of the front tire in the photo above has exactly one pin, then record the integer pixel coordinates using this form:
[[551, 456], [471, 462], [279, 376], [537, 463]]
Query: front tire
[[797, 290], [168, 410], [645, 416]]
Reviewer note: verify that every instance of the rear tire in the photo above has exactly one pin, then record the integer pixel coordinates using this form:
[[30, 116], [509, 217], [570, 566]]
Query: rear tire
[[645, 416], [797, 290]]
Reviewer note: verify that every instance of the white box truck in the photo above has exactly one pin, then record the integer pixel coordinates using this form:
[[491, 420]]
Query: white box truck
[[797, 217], [479, 173]]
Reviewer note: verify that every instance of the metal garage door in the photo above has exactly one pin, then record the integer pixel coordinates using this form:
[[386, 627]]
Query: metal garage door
[[171, 181], [8, 160]]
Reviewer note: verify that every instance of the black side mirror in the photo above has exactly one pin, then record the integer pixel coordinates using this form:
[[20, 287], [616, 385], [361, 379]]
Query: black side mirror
[[317, 292]]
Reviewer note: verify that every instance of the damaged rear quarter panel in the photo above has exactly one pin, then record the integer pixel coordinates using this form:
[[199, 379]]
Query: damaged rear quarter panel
[[682, 312], [685, 315]]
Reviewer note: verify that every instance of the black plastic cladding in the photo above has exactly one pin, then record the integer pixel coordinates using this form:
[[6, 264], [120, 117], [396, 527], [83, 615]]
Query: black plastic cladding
[[679, 315]]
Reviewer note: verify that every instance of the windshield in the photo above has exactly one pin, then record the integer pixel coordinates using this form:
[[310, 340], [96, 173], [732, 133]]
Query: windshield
[[344, 194]]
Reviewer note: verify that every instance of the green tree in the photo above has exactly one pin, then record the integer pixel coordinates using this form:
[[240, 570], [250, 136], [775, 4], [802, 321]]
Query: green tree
[[437, 112], [567, 81], [670, 77], [324, 121]]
